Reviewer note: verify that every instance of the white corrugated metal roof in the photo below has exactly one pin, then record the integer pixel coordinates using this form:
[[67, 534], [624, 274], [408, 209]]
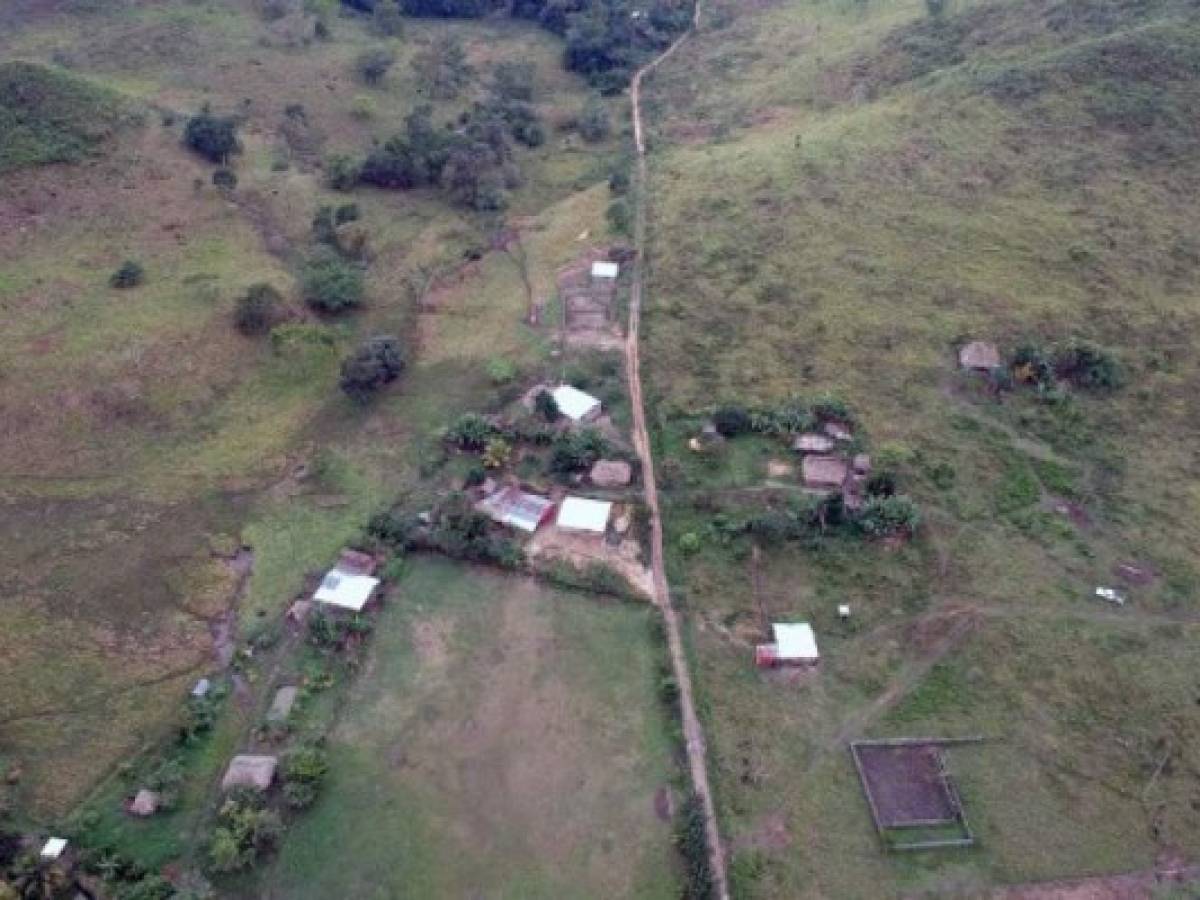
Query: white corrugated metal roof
[[54, 848], [512, 506], [346, 591], [602, 269], [574, 403], [795, 641], [581, 514]]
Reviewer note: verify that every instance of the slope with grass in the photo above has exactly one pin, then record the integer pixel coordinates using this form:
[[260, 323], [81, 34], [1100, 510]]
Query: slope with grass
[[841, 194], [145, 437]]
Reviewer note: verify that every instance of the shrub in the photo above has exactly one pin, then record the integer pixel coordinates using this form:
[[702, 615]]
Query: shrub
[[497, 453], [442, 69], [1089, 366], [130, 274], [362, 108], [347, 212], [881, 484], [882, 516], [470, 431], [1031, 364], [546, 406], [732, 421], [618, 179], [514, 81], [689, 543], [224, 179], [213, 137], [373, 65], [245, 829], [692, 842], [594, 123], [377, 361], [341, 172], [620, 218], [577, 451], [305, 765], [257, 310], [298, 795], [332, 285]]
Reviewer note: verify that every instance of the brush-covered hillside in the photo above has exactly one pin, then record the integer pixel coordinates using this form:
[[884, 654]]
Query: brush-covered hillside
[[842, 195]]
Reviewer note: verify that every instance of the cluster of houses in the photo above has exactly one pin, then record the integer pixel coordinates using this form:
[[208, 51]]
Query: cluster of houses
[[827, 468]]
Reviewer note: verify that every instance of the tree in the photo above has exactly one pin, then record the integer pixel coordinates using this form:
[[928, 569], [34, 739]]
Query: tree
[[620, 219], [731, 421], [442, 68], [332, 285], [377, 361], [213, 137], [341, 172], [594, 122], [373, 65], [257, 309], [224, 179], [129, 275], [882, 516]]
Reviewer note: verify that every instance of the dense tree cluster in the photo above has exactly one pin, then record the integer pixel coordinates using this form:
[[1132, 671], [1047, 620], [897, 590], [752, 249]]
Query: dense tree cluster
[[606, 39]]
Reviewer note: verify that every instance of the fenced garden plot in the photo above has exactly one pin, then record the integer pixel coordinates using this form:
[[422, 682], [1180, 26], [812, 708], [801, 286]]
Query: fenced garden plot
[[913, 799]]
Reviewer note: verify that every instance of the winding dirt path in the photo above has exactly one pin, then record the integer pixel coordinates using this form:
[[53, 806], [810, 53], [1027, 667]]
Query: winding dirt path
[[692, 732]]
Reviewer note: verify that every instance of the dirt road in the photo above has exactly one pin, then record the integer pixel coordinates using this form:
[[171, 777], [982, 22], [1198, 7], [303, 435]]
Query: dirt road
[[692, 732]]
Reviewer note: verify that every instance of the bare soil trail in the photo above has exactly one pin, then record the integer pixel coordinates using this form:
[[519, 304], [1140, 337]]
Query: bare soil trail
[[692, 732]]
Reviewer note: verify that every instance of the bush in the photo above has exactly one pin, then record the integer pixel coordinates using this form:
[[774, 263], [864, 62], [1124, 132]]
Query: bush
[[546, 406], [692, 841], [305, 765], [224, 179], [881, 484], [257, 310], [377, 361], [471, 432], [245, 830], [497, 453], [299, 796], [332, 285], [577, 451], [620, 218], [1089, 366], [442, 69], [594, 122], [689, 543], [347, 212], [213, 137], [732, 421], [514, 81], [341, 172], [130, 274], [373, 65], [882, 516], [618, 179]]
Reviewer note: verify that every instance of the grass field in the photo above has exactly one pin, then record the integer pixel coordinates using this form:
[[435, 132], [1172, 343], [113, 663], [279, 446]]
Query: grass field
[[144, 436], [503, 739], [842, 193]]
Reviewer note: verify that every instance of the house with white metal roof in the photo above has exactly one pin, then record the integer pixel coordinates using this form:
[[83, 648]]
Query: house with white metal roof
[[576, 405], [795, 645], [582, 514], [602, 270], [345, 590]]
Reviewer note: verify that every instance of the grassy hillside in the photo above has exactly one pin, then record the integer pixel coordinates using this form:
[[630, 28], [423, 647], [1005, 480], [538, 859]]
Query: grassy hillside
[[145, 437], [842, 194], [49, 116]]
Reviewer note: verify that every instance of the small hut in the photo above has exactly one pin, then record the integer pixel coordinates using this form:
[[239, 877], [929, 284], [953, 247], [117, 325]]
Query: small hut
[[979, 356], [256, 772], [824, 473], [795, 645]]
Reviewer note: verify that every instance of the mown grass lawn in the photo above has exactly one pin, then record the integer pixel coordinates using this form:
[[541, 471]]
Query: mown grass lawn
[[504, 739]]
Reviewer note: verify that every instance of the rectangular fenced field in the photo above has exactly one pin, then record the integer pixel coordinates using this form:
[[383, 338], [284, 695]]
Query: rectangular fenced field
[[913, 799]]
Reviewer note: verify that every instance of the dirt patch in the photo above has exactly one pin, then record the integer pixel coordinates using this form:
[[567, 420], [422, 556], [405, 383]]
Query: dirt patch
[[1170, 871], [930, 634], [1135, 572], [552, 544], [664, 804], [906, 783], [1068, 509], [589, 306], [770, 833]]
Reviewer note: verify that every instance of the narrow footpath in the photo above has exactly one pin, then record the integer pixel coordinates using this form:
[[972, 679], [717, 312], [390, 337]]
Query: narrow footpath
[[692, 732]]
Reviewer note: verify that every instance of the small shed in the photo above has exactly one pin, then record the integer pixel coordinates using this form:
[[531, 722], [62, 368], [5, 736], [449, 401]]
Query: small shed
[[345, 590], [839, 431], [255, 772], [980, 356], [605, 271], [611, 473], [514, 507], [576, 405], [53, 849], [582, 514], [812, 443], [795, 645], [824, 472]]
